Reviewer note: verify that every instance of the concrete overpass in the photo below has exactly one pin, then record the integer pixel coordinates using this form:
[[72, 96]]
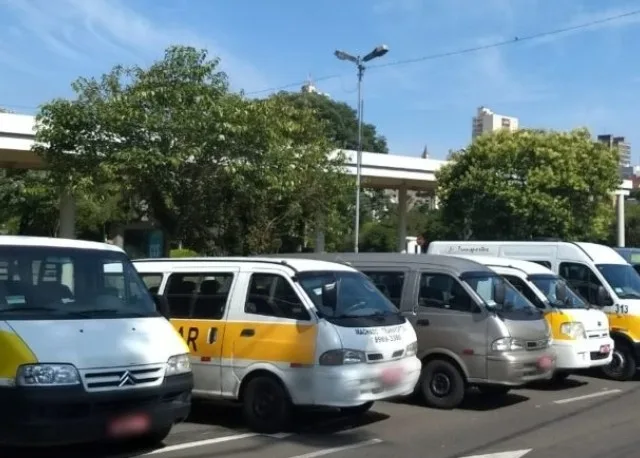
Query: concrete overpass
[[379, 171]]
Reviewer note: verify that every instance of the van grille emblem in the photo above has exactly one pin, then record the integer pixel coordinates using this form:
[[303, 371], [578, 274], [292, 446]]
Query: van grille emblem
[[126, 379]]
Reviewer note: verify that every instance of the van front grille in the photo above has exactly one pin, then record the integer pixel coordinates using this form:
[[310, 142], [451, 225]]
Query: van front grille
[[123, 378], [537, 344]]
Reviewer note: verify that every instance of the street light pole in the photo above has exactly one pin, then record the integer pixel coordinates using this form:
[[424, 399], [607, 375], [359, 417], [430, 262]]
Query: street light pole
[[360, 61]]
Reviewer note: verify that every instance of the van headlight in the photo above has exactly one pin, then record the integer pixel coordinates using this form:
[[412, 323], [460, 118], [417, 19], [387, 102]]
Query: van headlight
[[507, 344], [178, 364], [412, 349], [341, 357], [574, 330], [47, 375]]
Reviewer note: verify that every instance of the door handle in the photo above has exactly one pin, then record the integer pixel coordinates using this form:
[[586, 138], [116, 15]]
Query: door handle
[[213, 335], [423, 322], [247, 332]]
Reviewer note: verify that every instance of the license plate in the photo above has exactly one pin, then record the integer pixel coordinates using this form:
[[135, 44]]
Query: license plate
[[605, 349], [545, 362], [392, 375], [129, 425]]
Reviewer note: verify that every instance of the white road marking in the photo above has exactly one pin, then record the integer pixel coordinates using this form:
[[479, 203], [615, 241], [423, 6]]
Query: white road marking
[[328, 451], [587, 396], [513, 454], [201, 443]]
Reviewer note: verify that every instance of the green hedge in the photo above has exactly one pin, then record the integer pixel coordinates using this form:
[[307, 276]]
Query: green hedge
[[182, 253]]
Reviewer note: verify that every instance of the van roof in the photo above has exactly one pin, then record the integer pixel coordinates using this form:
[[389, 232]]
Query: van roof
[[451, 262], [530, 268], [599, 254], [296, 264], [27, 240]]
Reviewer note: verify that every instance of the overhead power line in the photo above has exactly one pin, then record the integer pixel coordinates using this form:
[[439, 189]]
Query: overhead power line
[[497, 44]]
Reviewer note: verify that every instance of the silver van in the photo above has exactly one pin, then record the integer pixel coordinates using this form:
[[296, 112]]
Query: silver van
[[474, 328]]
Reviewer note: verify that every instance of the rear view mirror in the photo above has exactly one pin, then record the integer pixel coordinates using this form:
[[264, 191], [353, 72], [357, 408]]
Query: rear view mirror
[[603, 299], [561, 292], [162, 305], [499, 292]]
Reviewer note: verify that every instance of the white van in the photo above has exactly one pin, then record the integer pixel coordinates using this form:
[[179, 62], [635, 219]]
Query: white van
[[84, 354], [597, 272], [580, 333], [273, 333]]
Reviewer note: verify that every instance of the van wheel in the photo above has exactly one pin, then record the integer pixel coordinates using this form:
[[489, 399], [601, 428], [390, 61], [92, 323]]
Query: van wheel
[[357, 410], [266, 406], [623, 365], [442, 384], [494, 390]]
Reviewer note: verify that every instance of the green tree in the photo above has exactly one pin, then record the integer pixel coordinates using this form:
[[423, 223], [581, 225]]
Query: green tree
[[218, 171], [530, 183]]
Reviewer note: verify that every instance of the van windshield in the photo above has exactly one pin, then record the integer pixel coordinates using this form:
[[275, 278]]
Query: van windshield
[[345, 294], [485, 285], [58, 283], [622, 278], [547, 284]]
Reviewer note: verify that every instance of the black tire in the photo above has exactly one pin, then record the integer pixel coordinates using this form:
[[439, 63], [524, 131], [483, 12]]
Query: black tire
[[623, 365], [266, 405], [442, 385], [357, 410], [494, 390]]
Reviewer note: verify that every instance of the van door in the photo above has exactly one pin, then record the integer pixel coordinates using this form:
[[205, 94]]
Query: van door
[[448, 318], [198, 305]]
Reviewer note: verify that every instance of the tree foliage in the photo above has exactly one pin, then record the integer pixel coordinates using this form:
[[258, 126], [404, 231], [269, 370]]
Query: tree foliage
[[528, 184], [221, 172]]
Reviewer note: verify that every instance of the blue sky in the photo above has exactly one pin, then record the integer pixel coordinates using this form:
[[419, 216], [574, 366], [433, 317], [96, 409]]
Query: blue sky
[[587, 78]]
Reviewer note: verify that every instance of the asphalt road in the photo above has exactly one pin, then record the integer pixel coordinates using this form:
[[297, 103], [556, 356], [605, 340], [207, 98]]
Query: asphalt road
[[586, 416]]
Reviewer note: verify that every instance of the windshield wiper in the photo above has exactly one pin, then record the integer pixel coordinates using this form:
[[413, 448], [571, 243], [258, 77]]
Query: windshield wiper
[[32, 308], [98, 312]]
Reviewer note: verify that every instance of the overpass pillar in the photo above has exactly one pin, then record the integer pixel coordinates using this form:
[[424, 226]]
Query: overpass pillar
[[620, 219], [67, 216], [402, 219]]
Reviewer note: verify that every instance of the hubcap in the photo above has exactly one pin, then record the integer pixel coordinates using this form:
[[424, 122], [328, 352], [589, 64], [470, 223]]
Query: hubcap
[[617, 363], [440, 384], [265, 403]]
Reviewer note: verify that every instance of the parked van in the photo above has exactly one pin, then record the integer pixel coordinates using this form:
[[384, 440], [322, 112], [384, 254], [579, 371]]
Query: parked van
[[274, 332], [580, 333], [474, 328], [84, 354], [596, 272]]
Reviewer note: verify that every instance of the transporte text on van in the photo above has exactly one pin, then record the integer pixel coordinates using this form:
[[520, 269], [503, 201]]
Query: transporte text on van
[[274, 332], [473, 327], [580, 332], [597, 272], [84, 354]]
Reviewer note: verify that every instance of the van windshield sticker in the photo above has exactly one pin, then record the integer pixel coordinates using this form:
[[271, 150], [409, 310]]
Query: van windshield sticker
[[15, 300], [618, 290]]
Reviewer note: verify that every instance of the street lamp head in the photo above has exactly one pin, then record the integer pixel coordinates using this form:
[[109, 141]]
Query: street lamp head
[[345, 56], [379, 51]]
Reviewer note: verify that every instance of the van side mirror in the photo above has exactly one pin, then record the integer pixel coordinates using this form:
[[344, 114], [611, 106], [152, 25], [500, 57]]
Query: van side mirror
[[499, 292], [162, 305], [603, 299], [561, 292]]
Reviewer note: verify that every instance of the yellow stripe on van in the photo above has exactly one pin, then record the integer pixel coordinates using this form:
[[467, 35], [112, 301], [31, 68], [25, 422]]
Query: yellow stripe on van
[[555, 319], [274, 342], [626, 324], [14, 352]]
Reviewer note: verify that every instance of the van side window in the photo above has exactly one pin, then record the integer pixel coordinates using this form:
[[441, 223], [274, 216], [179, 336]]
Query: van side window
[[519, 284], [582, 279], [389, 283], [152, 282], [272, 295], [443, 292], [547, 264], [200, 296]]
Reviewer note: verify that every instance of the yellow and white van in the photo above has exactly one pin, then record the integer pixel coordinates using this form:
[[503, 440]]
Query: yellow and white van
[[84, 354], [273, 333], [596, 272], [580, 332]]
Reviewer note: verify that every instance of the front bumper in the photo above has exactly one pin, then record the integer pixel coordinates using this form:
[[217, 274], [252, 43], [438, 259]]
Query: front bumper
[[520, 367], [583, 354], [44, 416], [347, 386]]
